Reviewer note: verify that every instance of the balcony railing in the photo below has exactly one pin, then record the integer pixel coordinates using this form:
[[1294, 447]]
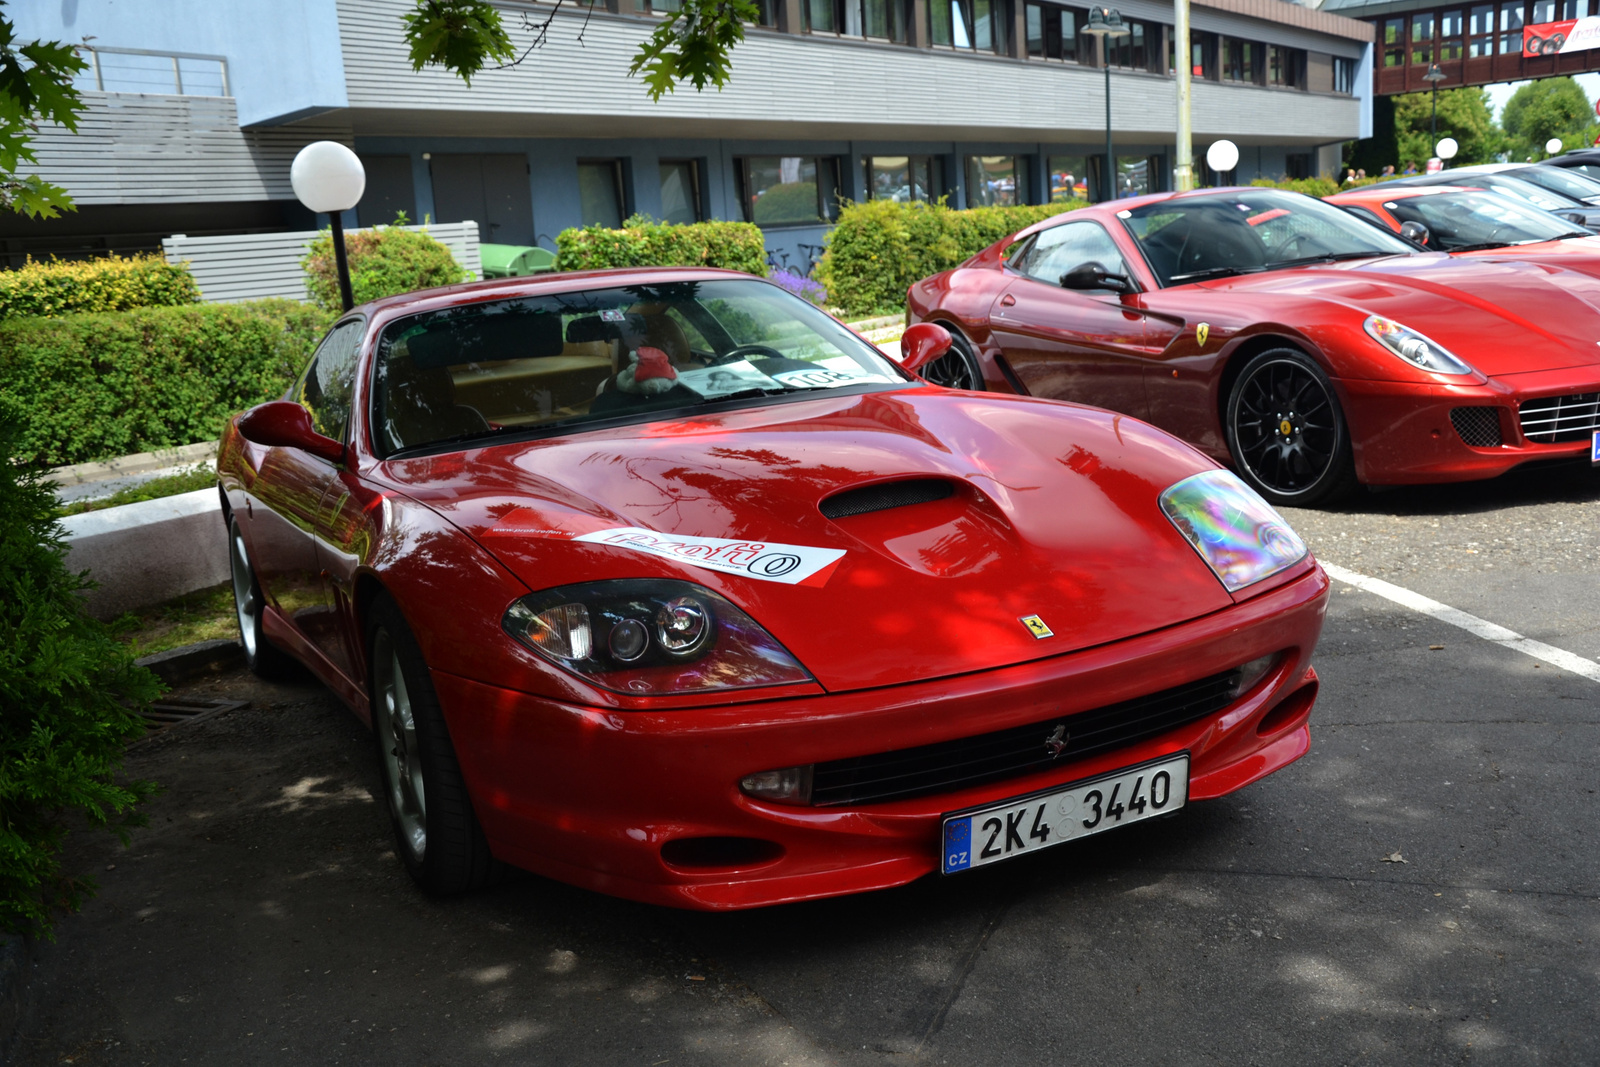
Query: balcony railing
[[135, 70]]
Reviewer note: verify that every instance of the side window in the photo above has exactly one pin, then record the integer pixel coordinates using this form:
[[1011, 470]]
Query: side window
[[1057, 250], [1366, 215], [328, 383]]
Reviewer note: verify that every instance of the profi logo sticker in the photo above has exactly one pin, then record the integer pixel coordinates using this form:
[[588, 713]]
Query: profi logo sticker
[[1036, 626]]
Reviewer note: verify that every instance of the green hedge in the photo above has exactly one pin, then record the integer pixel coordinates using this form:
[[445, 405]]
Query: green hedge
[[62, 287], [97, 386], [384, 261], [643, 242], [881, 246]]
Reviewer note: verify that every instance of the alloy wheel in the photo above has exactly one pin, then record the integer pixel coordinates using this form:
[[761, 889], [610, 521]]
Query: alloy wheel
[[397, 739], [1286, 426], [245, 602]]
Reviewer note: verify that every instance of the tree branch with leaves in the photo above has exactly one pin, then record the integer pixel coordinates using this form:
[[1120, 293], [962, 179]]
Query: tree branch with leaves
[[35, 86]]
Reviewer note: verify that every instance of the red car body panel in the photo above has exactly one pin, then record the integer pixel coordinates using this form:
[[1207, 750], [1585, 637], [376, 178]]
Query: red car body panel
[[914, 637], [1530, 328]]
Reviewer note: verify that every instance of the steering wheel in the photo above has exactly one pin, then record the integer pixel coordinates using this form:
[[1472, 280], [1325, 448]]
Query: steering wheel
[[733, 355], [1291, 245]]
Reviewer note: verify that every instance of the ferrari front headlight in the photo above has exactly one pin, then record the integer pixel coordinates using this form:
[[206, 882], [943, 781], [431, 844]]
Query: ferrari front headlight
[[1239, 535], [1413, 347], [650, 637]]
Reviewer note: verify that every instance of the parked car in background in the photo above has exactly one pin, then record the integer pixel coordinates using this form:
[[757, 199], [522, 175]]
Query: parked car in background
[[1310, 349], [1565, 193], [1475, 222], [665, 583], [1585, 161]]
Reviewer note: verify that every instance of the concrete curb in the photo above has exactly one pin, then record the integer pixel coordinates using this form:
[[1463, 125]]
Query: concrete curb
[[138, 463], [150, 551], [181, 664]]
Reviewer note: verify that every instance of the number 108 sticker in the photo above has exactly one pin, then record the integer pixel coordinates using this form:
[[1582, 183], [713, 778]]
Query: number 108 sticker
[[1028, 824]]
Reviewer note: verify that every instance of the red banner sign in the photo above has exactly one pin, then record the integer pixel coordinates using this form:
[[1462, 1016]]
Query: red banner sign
[[1554, 38]]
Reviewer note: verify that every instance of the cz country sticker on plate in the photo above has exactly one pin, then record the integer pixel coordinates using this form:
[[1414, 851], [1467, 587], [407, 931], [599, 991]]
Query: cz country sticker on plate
[[1028, 824]]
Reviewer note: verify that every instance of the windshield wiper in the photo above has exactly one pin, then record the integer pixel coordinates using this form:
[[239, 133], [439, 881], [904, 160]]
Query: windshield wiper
[[453, 439], [1327, 257], [1214, 272]]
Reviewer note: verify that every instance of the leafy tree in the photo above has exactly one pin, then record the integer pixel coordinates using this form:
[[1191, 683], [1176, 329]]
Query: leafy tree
[[1463, 114], [35, 86], [1540, 110], [691, 44]]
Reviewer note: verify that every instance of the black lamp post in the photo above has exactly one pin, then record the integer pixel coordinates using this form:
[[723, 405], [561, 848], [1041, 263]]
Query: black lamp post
[[1107, 22], [328, 178], [1434, 77]]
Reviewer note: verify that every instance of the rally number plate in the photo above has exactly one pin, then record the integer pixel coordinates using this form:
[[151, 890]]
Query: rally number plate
[[1028, 824]]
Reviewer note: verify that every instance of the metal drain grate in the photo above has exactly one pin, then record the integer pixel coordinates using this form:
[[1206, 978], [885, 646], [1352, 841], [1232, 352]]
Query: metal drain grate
[[170, 711]]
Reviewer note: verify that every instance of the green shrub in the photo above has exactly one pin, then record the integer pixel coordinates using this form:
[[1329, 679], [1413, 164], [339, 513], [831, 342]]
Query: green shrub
[[69, 693], [787, 202], [102, 385], [112, 283], [1318, 187], [881, 246], [643, 242], [384, 261]]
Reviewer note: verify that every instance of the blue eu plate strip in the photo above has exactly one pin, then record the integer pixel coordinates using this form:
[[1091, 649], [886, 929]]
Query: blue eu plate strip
[[957, 845], [1594, 449]]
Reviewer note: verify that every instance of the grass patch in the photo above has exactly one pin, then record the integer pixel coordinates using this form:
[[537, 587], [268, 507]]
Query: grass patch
[[156, 488], [200, 616]]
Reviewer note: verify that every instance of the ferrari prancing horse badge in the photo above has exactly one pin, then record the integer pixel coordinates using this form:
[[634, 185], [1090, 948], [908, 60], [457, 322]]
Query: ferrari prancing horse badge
[[1201, 332], [1036, 626]]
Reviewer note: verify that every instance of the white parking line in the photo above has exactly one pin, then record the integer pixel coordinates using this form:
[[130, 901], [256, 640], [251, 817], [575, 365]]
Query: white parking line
[[1489, 631]]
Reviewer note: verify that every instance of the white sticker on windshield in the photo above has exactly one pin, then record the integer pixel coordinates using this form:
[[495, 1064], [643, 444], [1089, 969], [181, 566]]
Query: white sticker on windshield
[[826, 377], [766, 560], [725, 379]]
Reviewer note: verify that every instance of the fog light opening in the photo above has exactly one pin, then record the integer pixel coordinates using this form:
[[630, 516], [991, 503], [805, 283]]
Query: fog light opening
[[719, 853], [1291, 711], [789, 785], [1247, 675]]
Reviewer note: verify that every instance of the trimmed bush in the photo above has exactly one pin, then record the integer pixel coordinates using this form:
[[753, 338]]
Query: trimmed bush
[[112, 283], [384, 261], [69, 694], [881, 246], [1318, 187], [97, 386], [643, 242]]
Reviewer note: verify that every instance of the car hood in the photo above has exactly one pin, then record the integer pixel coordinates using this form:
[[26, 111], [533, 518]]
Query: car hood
[[1502, 315], [1053, 512]]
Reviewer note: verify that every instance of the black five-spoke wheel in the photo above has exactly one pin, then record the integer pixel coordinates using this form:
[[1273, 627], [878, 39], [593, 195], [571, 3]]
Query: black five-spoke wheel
[[957, 368], [1286, 432]]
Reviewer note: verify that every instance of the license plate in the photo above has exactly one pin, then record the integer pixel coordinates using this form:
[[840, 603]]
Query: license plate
[[1028, 824], [1594, 449]]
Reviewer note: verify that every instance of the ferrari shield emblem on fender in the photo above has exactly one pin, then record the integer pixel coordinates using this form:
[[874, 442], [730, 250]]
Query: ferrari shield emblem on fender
[[1201, 332], [1036, 626]]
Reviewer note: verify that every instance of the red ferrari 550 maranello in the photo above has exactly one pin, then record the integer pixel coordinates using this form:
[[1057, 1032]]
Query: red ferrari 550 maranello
[[666, 584], [1310, 349]]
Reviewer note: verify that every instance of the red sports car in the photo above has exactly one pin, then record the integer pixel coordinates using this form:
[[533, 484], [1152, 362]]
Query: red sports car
[[666, 584], [1310, 349], [1475, 222]]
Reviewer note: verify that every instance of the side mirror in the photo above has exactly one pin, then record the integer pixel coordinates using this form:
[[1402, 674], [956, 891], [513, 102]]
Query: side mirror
[[1094, 276], [1415, 232], [285, 424], [922, 344]]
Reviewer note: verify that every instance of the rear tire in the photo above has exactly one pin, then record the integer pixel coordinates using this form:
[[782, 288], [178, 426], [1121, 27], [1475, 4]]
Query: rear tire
[[1286, 432], [436, 831], [264, 659], [956, 369]]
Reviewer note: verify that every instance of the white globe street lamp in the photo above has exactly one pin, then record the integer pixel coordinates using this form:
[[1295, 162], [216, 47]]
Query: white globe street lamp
[[328, 178], [1447, 148], [1552, 146], [1222, 156]]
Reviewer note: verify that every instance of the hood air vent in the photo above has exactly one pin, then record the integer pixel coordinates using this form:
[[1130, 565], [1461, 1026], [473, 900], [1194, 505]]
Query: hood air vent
[[885, 496]]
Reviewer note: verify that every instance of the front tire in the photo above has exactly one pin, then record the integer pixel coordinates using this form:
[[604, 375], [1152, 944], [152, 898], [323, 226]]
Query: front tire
[[264, 659], [956, 369], [1286, 432], [436, 832]]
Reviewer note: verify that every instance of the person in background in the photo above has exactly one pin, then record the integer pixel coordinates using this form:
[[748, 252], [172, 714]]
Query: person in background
[[1388, 171], [1411, 168]]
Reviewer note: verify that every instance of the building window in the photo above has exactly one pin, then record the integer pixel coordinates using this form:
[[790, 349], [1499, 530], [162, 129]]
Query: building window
[[1134, 176], [788, 190], [600, 192], [680, 191], [1297, 165], [1557, 10], [769, 12], [1344, 75], [1394, 42], [882, 19], [1511, 28], [1286, 67], [979, 25], [1241, 61], [1422, 38], [1450, 25], [992, 181], [1136, 49], [1057, 33], [1069, 178], [1202, 56], [903, 178], [1480, 31]]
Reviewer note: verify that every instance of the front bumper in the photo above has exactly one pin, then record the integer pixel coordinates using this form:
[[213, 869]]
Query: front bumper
[[592, 796], [1403, 434]]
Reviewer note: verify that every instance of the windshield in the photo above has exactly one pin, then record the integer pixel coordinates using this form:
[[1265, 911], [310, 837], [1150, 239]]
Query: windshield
[[1527, 192], [1557, 180], [1192, 238], [559, 363], [1460, 221]]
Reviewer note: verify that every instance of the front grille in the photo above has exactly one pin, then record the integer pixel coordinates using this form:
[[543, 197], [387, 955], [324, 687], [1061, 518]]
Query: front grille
[[1552, 420], [1479, 427], [968, 761], [885, 496]]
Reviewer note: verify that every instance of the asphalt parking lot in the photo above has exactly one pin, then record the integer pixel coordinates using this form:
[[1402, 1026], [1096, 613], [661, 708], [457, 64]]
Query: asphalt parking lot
[[1420, 889]]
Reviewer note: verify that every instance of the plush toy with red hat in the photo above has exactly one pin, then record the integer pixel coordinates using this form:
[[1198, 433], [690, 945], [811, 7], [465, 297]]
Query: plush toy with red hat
[[649, 372]]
